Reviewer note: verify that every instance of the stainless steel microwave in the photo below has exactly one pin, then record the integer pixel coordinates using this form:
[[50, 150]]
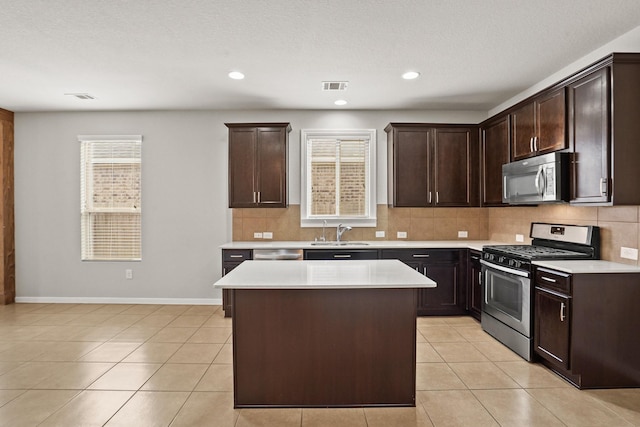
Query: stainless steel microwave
[[540, 179]]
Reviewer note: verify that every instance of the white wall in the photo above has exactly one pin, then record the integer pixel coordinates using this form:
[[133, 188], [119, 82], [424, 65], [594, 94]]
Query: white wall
[[628, 42], [184, 190]]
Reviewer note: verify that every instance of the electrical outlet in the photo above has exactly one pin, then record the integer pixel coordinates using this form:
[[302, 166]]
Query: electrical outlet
[[402, 235], [379, 233], [267, 235], [128, 274], [519, 237], [629, 253], [257, 235], [463, 234]]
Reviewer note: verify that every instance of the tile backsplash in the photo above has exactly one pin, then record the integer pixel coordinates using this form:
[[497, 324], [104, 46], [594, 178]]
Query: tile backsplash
[[620, 226]]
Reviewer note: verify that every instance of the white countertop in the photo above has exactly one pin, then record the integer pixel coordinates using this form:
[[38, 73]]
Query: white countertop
[[371, 244], [588, 267], [348, 274]]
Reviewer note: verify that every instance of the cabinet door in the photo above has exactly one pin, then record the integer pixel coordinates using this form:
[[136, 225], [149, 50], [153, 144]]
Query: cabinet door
[[589, 134], [552, 327], [271, 167], [495, 153], [551, 121], [410, 168], [523, 129], [474, 280], [446, 297], [242, 166], [455, 161]]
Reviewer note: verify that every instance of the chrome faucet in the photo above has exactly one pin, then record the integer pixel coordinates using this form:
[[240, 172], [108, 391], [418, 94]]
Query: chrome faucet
[[340, 230], [324, 224]]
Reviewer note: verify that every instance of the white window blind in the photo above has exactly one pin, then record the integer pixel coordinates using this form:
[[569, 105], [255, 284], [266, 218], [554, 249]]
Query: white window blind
[[338, 177], [111, 197]]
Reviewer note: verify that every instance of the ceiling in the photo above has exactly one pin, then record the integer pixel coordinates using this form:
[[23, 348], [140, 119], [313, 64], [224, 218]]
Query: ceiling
[[176, 54]]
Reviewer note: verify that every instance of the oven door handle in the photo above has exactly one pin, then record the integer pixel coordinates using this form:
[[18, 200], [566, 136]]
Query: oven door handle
[[504, 269]]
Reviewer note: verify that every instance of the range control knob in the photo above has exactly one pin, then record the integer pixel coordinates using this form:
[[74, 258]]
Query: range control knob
[[501, 259]]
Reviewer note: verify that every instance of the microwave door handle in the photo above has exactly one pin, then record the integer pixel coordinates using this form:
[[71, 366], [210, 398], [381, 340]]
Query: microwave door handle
[[540, 173], [505, 196]]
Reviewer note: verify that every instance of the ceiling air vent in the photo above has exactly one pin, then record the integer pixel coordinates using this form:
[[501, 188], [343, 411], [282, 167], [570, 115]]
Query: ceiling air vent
[[81, 95], [334, 85]]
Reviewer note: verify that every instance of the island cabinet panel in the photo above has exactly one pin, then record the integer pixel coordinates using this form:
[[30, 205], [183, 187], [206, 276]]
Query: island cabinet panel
[[324, 347], [442, 266], [431, 165], [495, 153], [231, 258], [258, 164], [539, 126], [586, 327]]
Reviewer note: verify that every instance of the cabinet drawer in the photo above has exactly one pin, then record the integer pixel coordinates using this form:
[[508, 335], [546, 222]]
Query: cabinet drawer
[[236, 255], [421, 255], [323, 254], [555, 280]]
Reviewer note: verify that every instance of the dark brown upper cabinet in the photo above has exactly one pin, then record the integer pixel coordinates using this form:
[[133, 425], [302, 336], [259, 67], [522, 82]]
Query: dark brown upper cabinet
[[495, 153], [604, 128], [432, 165], [539, 126], [258, 164]]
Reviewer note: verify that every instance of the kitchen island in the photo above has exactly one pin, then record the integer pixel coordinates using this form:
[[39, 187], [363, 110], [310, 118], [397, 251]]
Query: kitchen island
[[324, 333]]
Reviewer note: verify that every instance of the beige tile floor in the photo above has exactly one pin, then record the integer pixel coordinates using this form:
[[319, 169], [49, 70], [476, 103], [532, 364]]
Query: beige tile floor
[[152, 365]]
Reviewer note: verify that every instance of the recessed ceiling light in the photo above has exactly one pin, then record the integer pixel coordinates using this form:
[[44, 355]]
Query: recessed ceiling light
[[410, 75], [236, 75], [340, 102]]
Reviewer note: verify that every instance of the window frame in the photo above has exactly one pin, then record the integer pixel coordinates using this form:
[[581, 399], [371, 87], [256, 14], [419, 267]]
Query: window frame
[[87, 242], [368, 220]]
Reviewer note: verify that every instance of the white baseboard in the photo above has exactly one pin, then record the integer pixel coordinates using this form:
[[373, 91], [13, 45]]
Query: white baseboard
[[108, 300]]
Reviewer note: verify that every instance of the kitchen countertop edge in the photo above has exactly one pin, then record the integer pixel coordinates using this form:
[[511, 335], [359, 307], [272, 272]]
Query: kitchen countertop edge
[[386, 244], [588, 267]]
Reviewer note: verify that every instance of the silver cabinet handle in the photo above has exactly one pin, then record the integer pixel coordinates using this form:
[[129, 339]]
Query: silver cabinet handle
[[259, 197], [429, 197], [420, 256], [437, 197], [479, 278], [535, 143], [562, 315], [236, 256], [341, 256], [531, 145], [548, 279], [224, 271], [254, 197], [424, 271]]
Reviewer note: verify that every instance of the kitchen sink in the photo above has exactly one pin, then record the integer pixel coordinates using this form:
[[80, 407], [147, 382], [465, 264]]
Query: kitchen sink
[[347, 243]]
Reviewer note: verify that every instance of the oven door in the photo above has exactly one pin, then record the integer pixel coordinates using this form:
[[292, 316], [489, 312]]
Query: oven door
[[507, 296]]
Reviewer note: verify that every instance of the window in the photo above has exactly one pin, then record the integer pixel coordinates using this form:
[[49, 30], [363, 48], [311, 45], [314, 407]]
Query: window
[[110, 206], [338, 177]]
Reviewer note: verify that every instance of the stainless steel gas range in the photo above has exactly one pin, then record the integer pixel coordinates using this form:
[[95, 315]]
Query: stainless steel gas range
[[507, 305]]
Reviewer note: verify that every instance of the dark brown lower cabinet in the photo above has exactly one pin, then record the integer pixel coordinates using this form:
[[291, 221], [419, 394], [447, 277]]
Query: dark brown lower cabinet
[[553, 325], [474, 282], [231, 258], [442, 266], [586, 327]]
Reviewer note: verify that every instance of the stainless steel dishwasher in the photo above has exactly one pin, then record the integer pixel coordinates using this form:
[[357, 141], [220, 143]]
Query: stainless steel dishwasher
[[278, 254]]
